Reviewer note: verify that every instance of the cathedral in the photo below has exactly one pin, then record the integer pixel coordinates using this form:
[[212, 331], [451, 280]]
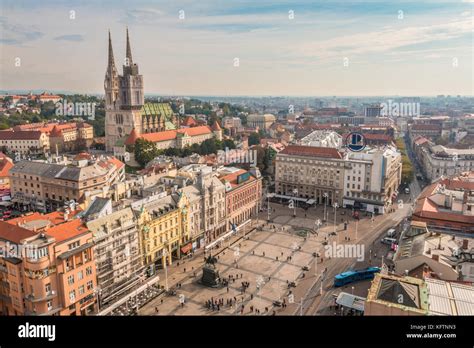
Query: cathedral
[[125, 107]]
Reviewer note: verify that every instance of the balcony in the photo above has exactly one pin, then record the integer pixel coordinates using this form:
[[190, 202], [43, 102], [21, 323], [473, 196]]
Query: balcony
[[48, 296]]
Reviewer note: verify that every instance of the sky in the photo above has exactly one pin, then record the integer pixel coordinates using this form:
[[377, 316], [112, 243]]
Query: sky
[[247, 47]]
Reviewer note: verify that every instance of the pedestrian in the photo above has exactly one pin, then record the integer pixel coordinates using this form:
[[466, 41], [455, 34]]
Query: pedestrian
[[184, 269], [227, 289], [161, 301], [264, 254]]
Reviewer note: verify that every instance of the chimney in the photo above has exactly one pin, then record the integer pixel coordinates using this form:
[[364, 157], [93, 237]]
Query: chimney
[[465, 243], [435, 257]]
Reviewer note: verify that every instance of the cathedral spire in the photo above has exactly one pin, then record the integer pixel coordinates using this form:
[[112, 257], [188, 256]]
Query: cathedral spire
[[129, 51], [111, 53]]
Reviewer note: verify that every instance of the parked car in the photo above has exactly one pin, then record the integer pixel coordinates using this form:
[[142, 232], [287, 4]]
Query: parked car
[[388, 241]]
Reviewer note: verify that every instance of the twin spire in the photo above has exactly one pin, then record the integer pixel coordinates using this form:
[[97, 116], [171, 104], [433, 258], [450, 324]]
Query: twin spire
[[111, 62]]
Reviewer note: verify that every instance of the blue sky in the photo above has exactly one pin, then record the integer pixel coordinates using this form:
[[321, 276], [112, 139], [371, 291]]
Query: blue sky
[[388, 47]]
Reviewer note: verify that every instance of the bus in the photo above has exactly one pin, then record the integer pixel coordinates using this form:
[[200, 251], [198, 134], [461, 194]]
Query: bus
[[354, 275]]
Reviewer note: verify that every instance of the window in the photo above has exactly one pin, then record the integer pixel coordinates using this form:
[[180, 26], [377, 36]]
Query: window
[[89, 285], [70, 280], [80, 275], [81, 290], [50, 305], [89, 270], [47, 288], [72, 295]]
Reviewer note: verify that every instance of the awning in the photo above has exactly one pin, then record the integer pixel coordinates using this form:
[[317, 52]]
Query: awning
[[351, 301], [185, 249]]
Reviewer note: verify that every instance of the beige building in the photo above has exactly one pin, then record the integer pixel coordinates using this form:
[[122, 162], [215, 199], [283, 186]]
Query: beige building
[[46, 186], [30, 142], [263, 122], [307, 172], [116, 248]]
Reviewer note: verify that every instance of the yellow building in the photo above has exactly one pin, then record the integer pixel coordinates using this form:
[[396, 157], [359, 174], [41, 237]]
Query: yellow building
[[163, 230]]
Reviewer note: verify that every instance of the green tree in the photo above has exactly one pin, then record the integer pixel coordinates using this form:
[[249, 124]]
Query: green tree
[[254, 139], [145, 151]]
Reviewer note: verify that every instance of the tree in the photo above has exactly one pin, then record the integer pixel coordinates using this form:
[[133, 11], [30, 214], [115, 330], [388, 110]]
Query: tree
[[254, 139], [145, 151]]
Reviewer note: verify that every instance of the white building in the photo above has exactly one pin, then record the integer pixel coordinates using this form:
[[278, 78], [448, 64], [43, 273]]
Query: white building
[[323, 138], [372, 178]]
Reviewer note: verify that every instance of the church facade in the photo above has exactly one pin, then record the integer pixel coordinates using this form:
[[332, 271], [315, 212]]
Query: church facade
[[125, 107]]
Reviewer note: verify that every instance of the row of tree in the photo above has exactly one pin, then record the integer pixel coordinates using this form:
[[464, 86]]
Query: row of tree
[[145, 150]]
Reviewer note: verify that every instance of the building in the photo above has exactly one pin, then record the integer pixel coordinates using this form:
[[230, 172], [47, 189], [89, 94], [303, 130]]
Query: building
[[163, 230], [125, 108], [232, 124], [438, 160], [42, 138], [6, 164], [116, 248], [372, 178], [402, 296], [178, 138], [322, 138], [207, 208], [243, 194], [443, 256], [262, 122], [47, 186], [447, 205], [308, 172], [394, 295], [373, 111], [52, 271], [24, 142]]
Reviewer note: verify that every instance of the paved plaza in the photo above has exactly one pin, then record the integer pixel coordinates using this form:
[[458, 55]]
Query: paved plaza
[[262, 259]]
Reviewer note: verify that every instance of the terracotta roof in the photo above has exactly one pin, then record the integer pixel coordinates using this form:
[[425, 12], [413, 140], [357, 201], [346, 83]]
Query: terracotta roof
[[232, 178], [312, 151], [55, 218], [56, 132], [172, 134], [5, 166], [420, 140], [14, 233], [20, 135], [189, 121], [132, 138], [67, 230], [216, 127]]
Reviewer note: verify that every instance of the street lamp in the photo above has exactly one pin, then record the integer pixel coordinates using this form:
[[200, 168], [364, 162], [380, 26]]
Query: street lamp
[[165, 254], [325, 195], [318, 224], [97, 292], [295, 192], [335, 209]]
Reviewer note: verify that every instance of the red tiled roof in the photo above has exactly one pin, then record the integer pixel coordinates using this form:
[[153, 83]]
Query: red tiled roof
[[67, 230], [172, 134], [14, 233], [189, 121], [426, 127], [56, 132], [55, 218], [5, 166], [312, 151], [20, 135], [132, 138], [216, 127]]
